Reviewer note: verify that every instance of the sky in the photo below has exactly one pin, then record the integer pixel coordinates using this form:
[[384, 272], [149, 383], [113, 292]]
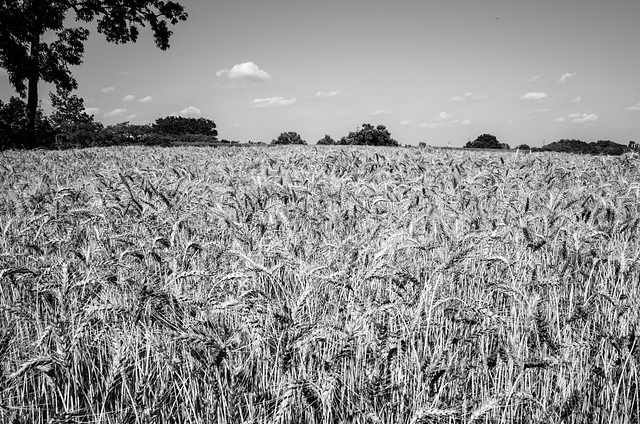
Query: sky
[[440, 71]]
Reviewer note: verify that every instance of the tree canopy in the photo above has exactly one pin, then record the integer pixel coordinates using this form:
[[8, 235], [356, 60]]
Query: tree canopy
[[289, 137], [486, 141], [179, 125], [326, 140], [68, 109], [370, 135], [600, 147], [13, 120], [29, 57]]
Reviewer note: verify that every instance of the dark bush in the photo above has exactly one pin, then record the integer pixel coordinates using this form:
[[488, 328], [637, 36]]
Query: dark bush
[[486, 141], [326, 140], [178, 125], [370, 136], [14, 123], [290, 137], [601, 147]]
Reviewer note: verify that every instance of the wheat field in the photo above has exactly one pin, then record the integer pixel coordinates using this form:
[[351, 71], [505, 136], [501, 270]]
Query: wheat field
[[318, 285]]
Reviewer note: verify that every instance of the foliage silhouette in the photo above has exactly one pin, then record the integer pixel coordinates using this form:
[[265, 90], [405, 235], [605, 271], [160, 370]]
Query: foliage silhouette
[[28, 56]]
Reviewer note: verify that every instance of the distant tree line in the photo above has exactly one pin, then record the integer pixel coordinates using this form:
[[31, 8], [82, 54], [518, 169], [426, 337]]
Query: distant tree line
[[600, 147], [366, 135], [70, 126]]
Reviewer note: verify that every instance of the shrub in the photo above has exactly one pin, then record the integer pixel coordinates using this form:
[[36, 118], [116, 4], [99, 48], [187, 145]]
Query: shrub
[[326, 140], [370, 136], [486, 141], [290, 137], [14, 122], [601, 147], [178, 125]]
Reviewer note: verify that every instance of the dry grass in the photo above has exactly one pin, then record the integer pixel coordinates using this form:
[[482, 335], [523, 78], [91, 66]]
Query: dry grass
[[302, 285]]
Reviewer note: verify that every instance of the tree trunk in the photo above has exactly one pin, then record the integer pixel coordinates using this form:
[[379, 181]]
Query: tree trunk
[[32, 93]]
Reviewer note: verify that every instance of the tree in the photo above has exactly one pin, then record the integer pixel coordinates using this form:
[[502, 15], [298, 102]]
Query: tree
[[179, 125], [326, 140], [14, 121], [523, 147], [370, 136], [68, 109], [486, 141], [28, 57], [601, 147], [290, 137], [73, 125]]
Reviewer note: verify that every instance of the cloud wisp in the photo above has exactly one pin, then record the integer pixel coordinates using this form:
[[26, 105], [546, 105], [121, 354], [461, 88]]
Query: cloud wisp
[[381, 112], [272, 102], [467, 96], [577, 118], [444, 119], [533, 95], [115, 112], [566, 77], [634, 108], [542, 110], [327, 94], [146, 99], [247, 71], [191, 110], [107, 89], [92, 111], [128, 98]]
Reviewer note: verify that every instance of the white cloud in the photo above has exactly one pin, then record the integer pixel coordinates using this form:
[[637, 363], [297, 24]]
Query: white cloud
[[247, 71], [92, 110], [405, 122], [329, 94], [115, 112], [130, 117], [532, 95], [107, 89], [534, 78], [634, 108], [467, 96], [191, 111], [123, 73], [444, 119], [578, 118], [566, 77], [381, 112], [128, 98], [583, 118], [272, 102], [146, 99], [576, 99], [442, 116]]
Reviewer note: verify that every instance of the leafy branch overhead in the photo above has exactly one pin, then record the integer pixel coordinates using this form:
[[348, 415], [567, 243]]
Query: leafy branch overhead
[[28, 59]]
